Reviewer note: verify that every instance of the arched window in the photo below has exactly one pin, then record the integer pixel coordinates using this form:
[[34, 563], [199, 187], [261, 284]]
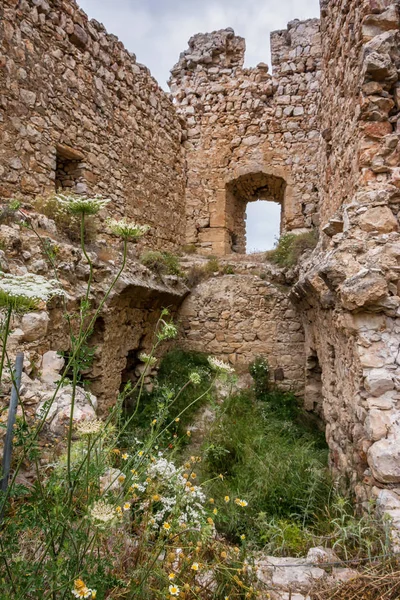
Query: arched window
[[261, 196], [263, 223]]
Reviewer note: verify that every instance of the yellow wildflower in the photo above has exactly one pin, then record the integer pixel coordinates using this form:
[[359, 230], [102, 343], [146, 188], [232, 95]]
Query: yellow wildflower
[[125, 456], [215, 511], [227, 499], [171, 576], [166, 526], [195, 566], [240, 502], [127, 506]]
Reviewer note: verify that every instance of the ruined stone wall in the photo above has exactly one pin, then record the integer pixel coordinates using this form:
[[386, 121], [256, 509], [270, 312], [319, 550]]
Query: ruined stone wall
[[249, 136], [348, 292], [240, 316], [78, 113]]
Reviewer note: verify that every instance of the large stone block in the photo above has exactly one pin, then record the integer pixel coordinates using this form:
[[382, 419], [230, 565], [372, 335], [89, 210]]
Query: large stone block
[[35, 325], [384, 460]]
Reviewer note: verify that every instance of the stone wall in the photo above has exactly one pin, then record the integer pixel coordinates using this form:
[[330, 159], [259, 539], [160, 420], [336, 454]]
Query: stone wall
[[249, 136], [348, 293], [125, 326], [237, 317], [78, 113]]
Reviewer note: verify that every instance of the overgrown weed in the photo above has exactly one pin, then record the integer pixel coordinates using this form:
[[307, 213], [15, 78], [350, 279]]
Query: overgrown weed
[[290, 247]]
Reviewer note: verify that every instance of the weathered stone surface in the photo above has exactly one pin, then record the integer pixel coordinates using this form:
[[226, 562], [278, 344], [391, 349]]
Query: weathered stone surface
[[52, 363], [84, 117], [384, 460], [377, 424], [379, 219], [240, 316], [34, 326], [379, 381], [297, 578], [244, 129], [58, 416]]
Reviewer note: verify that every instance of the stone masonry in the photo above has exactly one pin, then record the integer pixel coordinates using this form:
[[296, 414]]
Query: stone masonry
[[320, 136], [78, 113], [249, 135]]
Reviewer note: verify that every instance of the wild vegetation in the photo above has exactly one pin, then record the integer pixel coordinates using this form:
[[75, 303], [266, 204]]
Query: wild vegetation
[[162, 263], [126, 509], [105, 519], [290, 247]]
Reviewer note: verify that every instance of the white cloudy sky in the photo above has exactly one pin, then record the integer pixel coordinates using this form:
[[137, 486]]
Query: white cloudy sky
[[158, 30]]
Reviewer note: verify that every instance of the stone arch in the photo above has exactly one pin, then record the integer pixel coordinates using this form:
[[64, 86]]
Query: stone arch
[[249, 187], [245, 183]]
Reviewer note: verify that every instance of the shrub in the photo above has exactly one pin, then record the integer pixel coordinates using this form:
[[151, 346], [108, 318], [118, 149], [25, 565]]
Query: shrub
[[189, 249], [228, 270], [163, 263], [195, 275], [290, 247], [212, 265], [8, 212]]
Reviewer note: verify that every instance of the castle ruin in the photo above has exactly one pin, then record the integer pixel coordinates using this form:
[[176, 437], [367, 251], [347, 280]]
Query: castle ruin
[[319, 135]]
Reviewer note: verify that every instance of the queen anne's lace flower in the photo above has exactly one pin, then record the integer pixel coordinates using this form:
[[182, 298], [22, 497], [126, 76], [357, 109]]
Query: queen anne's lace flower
[[220, 365], [147, 359], [167, 331], [127, 230], [195, 378], [24, 292], [80, 205], [89, 427], [102, 514]]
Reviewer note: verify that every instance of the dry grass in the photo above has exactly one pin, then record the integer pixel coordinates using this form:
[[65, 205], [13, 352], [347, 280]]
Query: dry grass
[[377, 582]]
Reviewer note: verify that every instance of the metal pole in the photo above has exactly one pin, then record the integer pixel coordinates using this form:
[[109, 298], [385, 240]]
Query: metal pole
[[12, 413]]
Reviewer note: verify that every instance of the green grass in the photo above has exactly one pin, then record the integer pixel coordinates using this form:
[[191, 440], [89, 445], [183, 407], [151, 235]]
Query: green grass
[[290, 247], [271, 455], [267, 458]]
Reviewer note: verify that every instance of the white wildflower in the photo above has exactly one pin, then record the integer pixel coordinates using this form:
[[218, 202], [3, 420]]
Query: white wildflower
[[126, 230], [167, 331], [147, 359], [89, 427], [220, 365], [173, 590], [102, 514], [80, 205], [24, 292]]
